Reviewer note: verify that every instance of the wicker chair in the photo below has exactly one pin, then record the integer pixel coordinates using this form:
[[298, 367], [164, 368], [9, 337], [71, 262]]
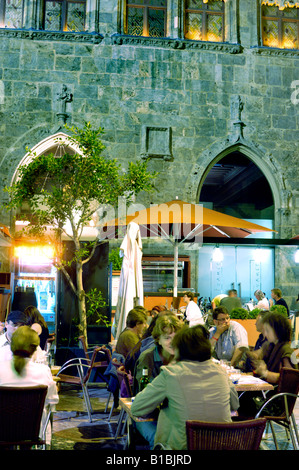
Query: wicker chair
[[21, 410], [240, 435], [285, 396]]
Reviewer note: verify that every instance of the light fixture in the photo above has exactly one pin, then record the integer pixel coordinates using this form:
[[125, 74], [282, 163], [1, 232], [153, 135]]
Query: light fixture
[[37, 254], [260, 255], [297, 256], [217, 254]]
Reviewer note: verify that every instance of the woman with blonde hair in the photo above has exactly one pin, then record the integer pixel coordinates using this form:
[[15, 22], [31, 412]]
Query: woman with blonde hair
[[21, 371], [263, 302]]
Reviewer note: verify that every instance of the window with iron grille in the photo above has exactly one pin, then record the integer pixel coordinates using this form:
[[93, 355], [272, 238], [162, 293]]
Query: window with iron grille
[[65, 15], [204, 21], [11, 13], [280, 28], [146, 18]]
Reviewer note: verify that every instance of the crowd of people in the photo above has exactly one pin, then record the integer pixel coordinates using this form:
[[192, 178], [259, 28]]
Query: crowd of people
[[182, 357]]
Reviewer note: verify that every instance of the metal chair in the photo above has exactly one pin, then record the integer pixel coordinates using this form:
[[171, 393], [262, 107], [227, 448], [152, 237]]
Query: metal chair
[[123, 377], [285, 399], [21, 410], [81, 379], [99, 366], [239, 435], [115, 365]]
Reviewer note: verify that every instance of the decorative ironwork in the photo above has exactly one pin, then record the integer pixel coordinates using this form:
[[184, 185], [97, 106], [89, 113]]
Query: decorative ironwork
[[65, 15], [280, 28], [146, 18], [11, 13], [204, 21]]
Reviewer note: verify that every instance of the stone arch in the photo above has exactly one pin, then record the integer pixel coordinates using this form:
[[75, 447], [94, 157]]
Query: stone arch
[[45, 145], [258, 155]]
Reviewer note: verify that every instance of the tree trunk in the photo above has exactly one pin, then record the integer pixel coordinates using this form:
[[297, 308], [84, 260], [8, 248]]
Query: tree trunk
[[81, 302]]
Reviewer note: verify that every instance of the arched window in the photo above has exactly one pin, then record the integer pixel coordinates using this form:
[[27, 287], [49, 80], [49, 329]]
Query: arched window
[[11, 13], [280, 27], [204, 20], [146, 18], [64, 15]]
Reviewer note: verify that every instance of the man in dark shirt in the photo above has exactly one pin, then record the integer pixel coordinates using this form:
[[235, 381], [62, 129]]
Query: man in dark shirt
[[278, 300]]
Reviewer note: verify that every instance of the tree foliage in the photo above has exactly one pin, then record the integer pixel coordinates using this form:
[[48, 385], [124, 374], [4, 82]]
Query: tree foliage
[[64, 192]]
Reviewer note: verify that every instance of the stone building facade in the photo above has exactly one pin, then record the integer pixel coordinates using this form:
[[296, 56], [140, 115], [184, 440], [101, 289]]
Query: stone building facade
[[181, 102]]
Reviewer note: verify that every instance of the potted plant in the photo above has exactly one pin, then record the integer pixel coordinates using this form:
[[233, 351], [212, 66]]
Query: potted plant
[[115, 259], [247, 320], [280, 309]]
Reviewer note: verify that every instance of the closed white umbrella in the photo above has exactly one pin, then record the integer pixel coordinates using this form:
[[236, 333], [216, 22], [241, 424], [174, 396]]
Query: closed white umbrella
[[130, 292]]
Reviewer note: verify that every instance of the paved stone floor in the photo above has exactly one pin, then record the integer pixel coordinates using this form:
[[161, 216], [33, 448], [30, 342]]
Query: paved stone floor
[[72, 430]]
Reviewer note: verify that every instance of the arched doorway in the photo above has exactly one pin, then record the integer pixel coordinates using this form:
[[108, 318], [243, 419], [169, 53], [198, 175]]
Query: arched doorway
[[36, 279], [234, 184]]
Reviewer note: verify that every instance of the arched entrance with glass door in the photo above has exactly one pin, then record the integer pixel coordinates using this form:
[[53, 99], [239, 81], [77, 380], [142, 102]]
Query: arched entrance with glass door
[[235, 184]]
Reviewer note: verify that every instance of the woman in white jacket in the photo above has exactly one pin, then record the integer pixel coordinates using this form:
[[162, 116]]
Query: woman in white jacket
[[194, 387], [20, 371]]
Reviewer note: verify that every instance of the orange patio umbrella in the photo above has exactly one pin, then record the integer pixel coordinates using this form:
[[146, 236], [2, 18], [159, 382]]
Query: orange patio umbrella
[[178, 221]]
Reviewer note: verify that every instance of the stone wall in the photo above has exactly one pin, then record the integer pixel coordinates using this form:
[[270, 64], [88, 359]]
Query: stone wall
[[180, 102]]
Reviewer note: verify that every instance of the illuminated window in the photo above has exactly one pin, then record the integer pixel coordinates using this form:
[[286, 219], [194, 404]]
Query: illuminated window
[[65, 15], [280, 28], [146, 18], [204, 21], [11, 13]]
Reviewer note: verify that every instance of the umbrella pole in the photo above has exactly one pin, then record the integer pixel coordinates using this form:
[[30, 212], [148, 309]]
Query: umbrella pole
[[175, 270]]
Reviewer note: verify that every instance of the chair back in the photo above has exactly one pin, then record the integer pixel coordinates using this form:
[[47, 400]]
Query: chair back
[[237, 435], [289, 383], [123, 377], [84, 346], [91, 365], [106, 361], [21, 413]]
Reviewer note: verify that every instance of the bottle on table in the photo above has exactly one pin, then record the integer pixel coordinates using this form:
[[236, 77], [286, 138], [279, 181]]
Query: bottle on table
[[144, 379]]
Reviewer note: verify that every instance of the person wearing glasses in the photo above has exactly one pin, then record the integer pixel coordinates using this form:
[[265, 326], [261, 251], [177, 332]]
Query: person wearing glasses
[[229, 339]]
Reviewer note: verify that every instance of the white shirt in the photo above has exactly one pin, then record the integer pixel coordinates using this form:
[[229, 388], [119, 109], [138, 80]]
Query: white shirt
[[6, 353], [34, 374], [263, 304], [193, 314]]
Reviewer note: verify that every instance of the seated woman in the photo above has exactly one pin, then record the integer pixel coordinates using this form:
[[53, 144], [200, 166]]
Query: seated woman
[[267, 361], [161, 353], [263, 302], [195, 388], [37, 323], [20, 371]]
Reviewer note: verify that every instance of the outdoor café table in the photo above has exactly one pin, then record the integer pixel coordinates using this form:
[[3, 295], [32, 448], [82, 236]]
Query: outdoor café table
[[250, 383], [125, 404], [246, 383]]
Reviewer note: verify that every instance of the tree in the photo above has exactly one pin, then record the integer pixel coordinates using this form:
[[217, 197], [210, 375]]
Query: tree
[[64, 192]]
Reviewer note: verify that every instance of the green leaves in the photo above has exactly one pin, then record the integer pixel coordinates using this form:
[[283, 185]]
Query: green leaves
[[69, 188], [64, 190]]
